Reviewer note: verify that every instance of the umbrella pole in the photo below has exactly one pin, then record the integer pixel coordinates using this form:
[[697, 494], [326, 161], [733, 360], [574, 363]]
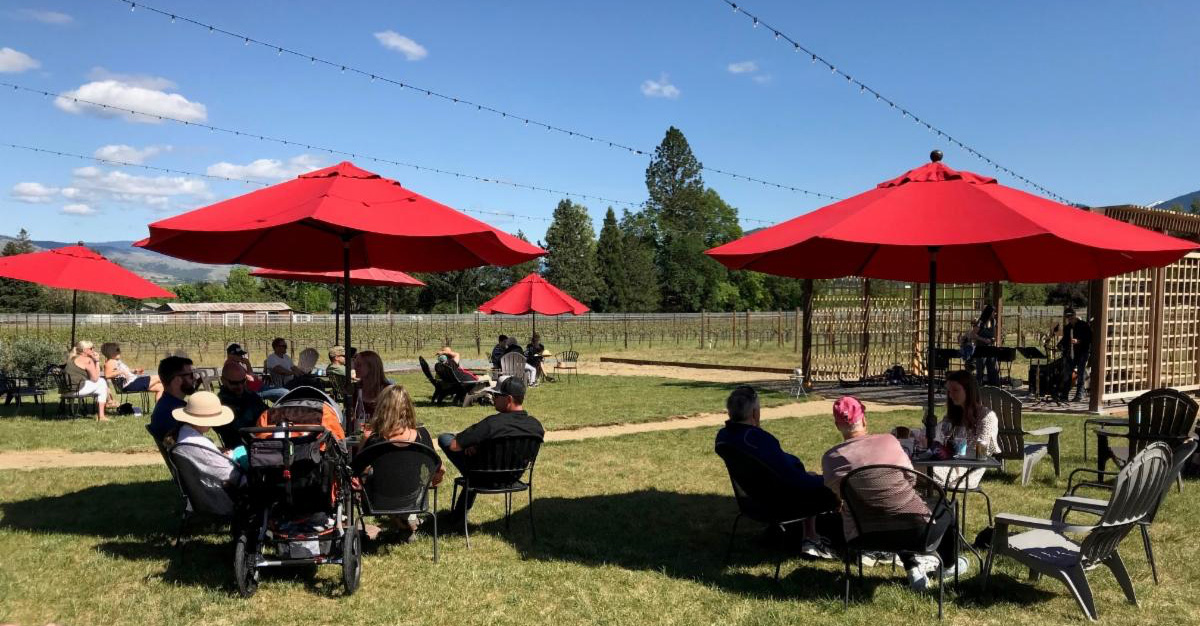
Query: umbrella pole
[[74, 305], [346, 311], [337, 320], [930, 420]]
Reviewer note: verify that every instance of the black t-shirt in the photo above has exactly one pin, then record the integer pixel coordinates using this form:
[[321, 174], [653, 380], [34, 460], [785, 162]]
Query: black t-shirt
[[513, 424], [533, 353]]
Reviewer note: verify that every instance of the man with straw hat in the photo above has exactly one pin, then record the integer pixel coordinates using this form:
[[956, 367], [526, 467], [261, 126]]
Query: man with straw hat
[[218, 473]]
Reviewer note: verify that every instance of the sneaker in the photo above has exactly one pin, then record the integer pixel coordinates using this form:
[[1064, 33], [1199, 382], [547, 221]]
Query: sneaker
[[871, 559], [816, 549], [917, 580], [960, 569]]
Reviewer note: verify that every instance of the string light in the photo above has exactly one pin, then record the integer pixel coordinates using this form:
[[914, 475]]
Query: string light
[[429, 93], [334, 151], [904, 112], [258, 183]]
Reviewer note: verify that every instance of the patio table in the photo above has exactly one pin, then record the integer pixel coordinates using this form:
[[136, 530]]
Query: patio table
[[965, 463]]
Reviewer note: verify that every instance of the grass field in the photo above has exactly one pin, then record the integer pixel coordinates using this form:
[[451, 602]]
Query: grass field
[[630, 530], [585, 401]]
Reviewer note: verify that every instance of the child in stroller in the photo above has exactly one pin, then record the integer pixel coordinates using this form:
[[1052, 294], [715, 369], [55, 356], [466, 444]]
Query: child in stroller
[[299, 508]]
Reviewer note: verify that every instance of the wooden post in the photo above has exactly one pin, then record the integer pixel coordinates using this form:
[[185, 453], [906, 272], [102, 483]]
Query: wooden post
[[626, 330], [747, 328], [1157, 302], [865, 344], [806, 298], [998, 304], [1098, 304], [796, 332], [779, 329], [702, 329], [478, 339], [733, 333]]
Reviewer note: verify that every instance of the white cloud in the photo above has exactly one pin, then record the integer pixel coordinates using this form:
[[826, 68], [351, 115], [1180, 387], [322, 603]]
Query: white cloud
[[761, 79], [13, 61], [33, 193], [78, 209], [140, 93], [128, 154], [45, 17], [393, 40], [744, 67], [151, 190], [268, 169], [661, 88], [134, 80]]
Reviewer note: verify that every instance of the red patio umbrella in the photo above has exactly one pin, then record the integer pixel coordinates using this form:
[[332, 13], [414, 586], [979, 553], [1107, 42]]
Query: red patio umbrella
[[367, 276], [533, 294], [938, 224], [303, 224], [78, 269]]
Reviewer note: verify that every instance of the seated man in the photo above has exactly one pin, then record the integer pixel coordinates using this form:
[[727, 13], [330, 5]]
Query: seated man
[[220, 475], [337, 362], [511, 420], [807, 492], [246, 405], [279, 370], [859, 449], [499, 350], [237, 355], [178, 382]]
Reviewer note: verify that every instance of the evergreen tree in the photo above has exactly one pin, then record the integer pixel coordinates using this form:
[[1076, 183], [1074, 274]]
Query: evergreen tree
[[611, 264], [571, 257], [642, 292], [18, 296]]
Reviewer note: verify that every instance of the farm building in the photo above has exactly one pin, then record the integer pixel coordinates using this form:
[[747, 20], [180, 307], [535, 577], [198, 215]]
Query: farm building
[[245, 308]]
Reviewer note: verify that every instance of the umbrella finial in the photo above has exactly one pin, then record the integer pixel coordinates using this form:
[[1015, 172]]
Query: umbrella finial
[[935, 156]]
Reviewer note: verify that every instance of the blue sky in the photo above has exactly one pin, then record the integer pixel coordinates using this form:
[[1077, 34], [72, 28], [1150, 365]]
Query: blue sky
[[1095, 100]]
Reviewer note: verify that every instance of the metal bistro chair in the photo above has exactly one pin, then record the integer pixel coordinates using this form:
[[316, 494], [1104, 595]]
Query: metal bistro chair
[[20, 387], [123, 396], [69, 398], [399, 482], [1012, 433], [567, 362], [796, 383], [1163, 415], [1046, 549], [185, 504], [497, 468], [1069, 502], [759, 492], [891, 515]]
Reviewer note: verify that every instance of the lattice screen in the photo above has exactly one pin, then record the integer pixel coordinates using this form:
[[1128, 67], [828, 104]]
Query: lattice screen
[[958, 305], [1130, 324], [1180, 345]]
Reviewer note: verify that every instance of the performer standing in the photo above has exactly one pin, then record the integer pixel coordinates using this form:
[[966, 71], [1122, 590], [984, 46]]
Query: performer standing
[[1076, 346], [986, 370]]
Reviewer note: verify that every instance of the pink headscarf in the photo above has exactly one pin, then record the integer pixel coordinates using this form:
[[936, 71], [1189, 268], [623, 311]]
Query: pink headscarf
[[848, 411]]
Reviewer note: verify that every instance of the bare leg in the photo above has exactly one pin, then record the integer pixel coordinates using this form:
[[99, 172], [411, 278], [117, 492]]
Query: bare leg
[[156, 387]]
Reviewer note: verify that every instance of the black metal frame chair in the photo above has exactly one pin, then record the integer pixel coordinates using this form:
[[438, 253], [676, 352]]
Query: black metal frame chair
[[492, 470], [19, 387], [399, 481], [68, 393], [185, 505], [869, 493], [189, 480], [760, 493], [1069, 502]]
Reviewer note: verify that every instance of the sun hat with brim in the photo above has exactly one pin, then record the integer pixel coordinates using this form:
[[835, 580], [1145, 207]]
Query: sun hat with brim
[[204, 409]]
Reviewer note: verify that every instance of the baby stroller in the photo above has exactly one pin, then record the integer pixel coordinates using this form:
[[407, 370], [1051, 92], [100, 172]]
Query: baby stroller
[[299, 508]]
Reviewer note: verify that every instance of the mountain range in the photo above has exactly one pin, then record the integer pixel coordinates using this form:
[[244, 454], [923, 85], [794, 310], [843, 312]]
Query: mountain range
[[1184, 201], [145, 263]]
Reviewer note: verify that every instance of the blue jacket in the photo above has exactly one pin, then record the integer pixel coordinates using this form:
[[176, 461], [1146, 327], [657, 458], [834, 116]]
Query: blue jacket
[[764, 446]]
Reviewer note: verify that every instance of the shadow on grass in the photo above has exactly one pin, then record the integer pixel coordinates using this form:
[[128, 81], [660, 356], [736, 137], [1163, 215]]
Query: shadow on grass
[[771, 385]]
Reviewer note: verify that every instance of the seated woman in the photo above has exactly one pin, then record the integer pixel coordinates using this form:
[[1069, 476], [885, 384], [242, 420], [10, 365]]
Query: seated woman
[[395, 420], [966, 419], [83, 371], [128, 380], [368, 367]]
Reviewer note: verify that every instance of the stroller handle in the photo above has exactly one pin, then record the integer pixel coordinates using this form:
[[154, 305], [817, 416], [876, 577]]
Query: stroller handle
[[301, 428]]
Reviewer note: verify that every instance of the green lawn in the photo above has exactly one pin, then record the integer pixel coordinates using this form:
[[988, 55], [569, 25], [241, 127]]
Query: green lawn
[[632, 530], [586, 401]]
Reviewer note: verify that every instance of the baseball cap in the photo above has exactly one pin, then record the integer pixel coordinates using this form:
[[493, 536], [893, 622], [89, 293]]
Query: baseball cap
[[235, 348], [509, 386], [848, 411]]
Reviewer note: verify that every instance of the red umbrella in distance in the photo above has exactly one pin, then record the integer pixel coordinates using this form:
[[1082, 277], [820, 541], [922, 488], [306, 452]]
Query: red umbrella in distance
[[78, 269], [337, 218], [533, 294], [367, 276], [938, 224]]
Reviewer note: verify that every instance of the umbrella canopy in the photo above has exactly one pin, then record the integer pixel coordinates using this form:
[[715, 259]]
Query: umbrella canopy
[[938, 224], [984, 232], [367, 276], [79, 269], [303, 223], [533, 294]]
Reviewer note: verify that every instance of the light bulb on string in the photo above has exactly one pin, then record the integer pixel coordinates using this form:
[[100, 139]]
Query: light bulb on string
[[756, 22], [132, 6], [247, 41], [172, 19]]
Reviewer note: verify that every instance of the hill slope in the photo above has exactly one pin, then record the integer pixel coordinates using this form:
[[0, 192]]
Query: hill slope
[[147, 264]]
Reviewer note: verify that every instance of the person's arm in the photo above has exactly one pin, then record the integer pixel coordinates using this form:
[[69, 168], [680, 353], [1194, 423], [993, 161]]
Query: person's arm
[[93, 372]]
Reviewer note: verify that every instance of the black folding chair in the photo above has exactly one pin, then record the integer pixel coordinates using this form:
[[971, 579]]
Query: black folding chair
[[204, 495], [896, 509], [761, 496], [497, 467], [399, 481]]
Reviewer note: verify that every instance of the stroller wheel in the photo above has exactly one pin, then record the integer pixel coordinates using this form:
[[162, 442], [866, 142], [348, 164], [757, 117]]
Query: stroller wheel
[[351, 558], [244, 557]]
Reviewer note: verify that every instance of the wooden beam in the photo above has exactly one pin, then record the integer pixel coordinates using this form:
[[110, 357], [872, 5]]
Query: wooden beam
[[1098, 310]]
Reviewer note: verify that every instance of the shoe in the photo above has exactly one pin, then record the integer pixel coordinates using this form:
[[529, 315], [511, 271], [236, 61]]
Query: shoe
[[1078, 398], [917, 580], [816, 549], [871, 559], [960, 569]]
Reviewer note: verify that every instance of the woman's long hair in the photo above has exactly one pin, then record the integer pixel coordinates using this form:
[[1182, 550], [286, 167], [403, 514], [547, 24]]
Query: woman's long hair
[[373, 380], [971, 411], [394, 412]]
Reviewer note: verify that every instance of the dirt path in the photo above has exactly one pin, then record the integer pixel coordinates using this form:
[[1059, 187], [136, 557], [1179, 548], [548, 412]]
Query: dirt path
[[685, 373], [58, 459]]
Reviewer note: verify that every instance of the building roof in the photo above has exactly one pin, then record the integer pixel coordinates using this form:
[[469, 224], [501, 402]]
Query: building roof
[[224, 307], [1185, 225]]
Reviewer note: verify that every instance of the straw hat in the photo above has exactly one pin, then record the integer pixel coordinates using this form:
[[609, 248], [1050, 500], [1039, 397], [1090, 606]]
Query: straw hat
[[204, 409]]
